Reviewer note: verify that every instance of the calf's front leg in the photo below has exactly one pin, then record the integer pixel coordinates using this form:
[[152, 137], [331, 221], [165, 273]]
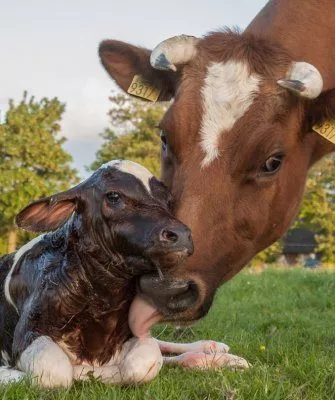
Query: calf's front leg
[[205, 361], [38, 355], [203, 346], [46, 363], [139, 361], [204, 354]]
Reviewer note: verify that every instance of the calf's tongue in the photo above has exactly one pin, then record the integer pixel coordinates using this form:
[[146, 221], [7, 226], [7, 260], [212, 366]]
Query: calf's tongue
[[142, 316]]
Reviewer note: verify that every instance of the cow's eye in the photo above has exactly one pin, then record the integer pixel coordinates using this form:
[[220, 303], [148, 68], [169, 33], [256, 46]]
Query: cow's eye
[[163, 139], [272, 164], [113, 197]]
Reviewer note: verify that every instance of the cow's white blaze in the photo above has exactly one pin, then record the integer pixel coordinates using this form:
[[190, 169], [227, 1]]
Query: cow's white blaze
[[131, 167], [228, 92], [17, 256]]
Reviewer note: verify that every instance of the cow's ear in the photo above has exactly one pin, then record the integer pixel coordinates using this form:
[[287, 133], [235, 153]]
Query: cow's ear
[[322, 109], [123, 61], [49, 213], [160, 192], [321, 116]]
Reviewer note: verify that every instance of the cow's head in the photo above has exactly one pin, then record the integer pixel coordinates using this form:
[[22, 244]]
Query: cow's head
[[119, 215], [237, 142]]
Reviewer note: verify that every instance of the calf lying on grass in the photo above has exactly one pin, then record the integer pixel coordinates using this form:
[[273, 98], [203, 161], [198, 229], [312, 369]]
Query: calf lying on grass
[[67, 294]]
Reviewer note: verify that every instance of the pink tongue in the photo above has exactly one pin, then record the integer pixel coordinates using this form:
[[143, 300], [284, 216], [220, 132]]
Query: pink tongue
[[142, 316]]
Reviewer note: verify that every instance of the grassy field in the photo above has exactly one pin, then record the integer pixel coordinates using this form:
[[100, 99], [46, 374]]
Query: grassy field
[[281, 321]]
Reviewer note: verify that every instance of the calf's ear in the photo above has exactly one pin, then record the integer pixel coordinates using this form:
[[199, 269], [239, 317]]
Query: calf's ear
[[123, 61], [160, 192], [49, 213]]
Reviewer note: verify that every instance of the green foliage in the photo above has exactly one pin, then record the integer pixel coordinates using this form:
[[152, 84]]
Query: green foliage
[[132, 134], [269, 255], [33, 163], [318, 208], [317, 213]]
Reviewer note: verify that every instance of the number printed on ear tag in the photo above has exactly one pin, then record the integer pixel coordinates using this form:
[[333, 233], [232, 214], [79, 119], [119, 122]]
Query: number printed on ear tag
[[326, 129], [141, 88]]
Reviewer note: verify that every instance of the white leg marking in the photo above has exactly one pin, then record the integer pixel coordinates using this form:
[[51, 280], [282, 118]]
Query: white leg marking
[[5, 358], [47, 363], [203, 346], [207, 361], [131, 167], [142, 360], [228, 92], [139, 361], [8, 375], [17, 256]]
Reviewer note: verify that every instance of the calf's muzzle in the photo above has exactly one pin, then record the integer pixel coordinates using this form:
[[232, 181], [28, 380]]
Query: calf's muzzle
[[177, 238]]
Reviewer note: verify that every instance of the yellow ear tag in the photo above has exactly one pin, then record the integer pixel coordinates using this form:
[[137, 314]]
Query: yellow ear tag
[[141, 88], [326, 129]]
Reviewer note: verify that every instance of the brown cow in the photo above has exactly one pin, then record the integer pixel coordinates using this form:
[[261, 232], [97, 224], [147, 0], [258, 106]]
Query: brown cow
[[238, 139]]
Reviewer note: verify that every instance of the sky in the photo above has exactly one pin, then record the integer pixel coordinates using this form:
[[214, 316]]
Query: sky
[[50, 49]]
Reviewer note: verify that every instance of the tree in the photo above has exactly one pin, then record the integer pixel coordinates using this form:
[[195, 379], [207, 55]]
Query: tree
[[317, 212], [318, 207], [33, 163], [269, 255], [133, 133]]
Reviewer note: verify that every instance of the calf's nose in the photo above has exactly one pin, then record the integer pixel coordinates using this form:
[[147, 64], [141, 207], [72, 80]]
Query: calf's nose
[[178, 238]]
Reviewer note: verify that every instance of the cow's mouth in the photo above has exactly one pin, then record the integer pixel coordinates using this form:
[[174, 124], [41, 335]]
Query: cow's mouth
[[160, 299], [167, 258]]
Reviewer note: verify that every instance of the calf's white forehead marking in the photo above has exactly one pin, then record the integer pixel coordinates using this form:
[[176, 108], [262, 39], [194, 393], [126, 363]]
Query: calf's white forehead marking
[[17, 256], [228, 92], [131, 167]]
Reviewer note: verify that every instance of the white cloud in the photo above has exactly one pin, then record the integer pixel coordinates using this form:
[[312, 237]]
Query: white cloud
[[86, 114]]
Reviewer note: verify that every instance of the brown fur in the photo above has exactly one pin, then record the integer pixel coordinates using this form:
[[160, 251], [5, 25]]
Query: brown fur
[[233, 209]]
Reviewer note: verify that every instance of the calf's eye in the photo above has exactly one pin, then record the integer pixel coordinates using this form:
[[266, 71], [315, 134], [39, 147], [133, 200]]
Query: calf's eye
[[113, 197], [272, 164]]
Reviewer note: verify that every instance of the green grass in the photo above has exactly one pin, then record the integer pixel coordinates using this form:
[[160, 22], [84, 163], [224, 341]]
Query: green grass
[[290, 312]]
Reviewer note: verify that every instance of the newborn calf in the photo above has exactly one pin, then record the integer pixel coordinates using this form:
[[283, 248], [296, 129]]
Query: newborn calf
[[66, 295]]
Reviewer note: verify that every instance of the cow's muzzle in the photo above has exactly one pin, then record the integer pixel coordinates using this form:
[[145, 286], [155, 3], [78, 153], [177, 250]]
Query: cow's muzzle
[[168, 296], [159, 299]]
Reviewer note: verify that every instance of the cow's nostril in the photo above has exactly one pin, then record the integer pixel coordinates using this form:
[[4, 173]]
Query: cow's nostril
[[169, 236]]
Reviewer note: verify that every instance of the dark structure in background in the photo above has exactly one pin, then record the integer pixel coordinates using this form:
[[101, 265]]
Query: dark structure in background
[[299, 247]]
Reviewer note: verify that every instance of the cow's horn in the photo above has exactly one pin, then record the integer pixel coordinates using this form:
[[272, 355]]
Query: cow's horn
[[173, 51], [304, 80]]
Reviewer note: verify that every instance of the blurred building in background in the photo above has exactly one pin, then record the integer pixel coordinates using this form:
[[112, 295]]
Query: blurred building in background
[[299, 246]]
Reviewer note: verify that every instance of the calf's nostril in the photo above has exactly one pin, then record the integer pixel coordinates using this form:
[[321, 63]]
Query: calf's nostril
[[169, 236]]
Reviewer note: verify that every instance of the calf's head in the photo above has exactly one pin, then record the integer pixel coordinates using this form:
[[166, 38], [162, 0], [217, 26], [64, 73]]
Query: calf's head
[[121, 210], [237, 142]]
